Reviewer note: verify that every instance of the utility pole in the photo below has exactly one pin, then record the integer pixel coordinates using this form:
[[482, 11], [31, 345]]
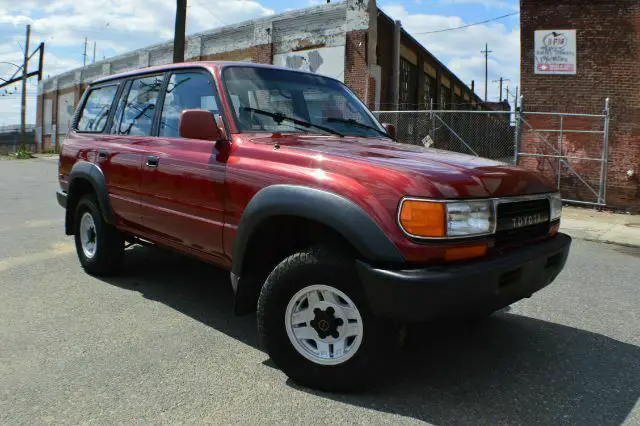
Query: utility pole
[[502, 79], [486, 52], [23, 103], [94, 52], [84, 55], [178, 38], [41, 61]]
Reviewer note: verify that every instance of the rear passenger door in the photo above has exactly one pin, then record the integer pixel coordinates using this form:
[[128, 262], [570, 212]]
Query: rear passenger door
[[125, 149], [183, 179]]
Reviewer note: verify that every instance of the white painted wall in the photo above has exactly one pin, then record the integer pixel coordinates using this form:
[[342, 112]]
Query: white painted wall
[[66, 107], [48, 115]]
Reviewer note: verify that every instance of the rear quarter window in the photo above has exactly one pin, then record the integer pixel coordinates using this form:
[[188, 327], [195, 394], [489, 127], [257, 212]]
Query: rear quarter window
[[94, 114]]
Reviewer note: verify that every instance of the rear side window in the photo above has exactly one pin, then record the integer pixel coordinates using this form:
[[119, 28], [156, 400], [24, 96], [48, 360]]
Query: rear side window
[[96, 109], [137, 114], [185, 91]]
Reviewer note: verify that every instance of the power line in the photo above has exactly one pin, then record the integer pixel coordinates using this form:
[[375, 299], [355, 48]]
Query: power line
[[210, 12], [468, 25]]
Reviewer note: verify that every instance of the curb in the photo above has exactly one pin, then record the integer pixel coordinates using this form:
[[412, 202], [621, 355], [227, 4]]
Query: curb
[[598, 240]]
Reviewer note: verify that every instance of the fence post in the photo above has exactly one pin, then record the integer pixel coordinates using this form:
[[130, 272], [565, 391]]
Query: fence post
[[516, 131], [433, 122], [602, 194], [560, 150]]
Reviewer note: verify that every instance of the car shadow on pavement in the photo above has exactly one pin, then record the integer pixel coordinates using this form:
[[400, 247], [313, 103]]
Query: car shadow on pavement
[[509, 369]]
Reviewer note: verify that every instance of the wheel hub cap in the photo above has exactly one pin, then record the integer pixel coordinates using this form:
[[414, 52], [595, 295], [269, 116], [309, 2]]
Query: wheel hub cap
[[324, 324], [88, 236]]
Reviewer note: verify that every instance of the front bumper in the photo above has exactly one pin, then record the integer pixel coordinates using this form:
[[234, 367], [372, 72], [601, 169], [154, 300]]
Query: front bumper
[[62, 198], [460, 289]]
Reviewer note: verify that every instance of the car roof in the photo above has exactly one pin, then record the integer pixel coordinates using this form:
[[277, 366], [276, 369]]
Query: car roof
[[194, 64]]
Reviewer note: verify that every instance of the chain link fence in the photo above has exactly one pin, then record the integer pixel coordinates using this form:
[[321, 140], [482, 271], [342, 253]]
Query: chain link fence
[[569, 148], [11, 138], [489, 134]]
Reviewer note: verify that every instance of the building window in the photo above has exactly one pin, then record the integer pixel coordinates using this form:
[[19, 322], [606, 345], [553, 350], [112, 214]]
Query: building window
[[428, 93], [445, 97], [457, 102], [408, 87]]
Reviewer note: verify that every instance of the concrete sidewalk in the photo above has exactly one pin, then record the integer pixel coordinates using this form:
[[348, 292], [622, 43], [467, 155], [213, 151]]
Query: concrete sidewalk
[[591, 225]]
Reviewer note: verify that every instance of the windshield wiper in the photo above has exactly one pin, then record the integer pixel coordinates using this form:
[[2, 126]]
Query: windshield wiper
[[279, 118], [357, 124]]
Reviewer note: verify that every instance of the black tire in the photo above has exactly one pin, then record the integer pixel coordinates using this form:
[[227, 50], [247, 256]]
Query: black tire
[[314, 266], [109, 252]]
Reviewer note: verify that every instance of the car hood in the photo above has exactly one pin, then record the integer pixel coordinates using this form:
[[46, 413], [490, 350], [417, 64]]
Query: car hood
[[434, 172]]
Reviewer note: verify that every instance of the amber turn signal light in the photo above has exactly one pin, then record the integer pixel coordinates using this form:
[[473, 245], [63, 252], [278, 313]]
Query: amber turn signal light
[[423, 219], [461, 253]]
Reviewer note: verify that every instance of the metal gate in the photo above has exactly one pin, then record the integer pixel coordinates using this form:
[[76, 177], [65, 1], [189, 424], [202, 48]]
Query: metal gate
[[572, 149], [569, 148]]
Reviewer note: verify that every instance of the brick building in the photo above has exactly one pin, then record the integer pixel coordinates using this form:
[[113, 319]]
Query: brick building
[[352, 41], [607, 66]]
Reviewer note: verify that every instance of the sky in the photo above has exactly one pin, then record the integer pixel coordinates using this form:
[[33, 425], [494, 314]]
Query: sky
[[118, 26]]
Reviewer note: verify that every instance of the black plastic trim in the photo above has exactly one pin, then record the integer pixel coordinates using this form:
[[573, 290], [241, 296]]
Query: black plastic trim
[[332, 210], [92, 173], [62, 198], [482, 285]]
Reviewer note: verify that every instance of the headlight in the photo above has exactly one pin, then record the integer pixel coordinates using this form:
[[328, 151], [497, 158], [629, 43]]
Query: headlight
[[469, 218], [555, 207], [429, 219]]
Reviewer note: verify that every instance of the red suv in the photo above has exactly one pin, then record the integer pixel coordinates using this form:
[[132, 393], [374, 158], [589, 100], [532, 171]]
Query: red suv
[[335, 232]]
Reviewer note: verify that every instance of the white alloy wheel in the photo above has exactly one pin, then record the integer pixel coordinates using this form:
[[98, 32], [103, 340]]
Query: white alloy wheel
[[88, 235], [324, 325]]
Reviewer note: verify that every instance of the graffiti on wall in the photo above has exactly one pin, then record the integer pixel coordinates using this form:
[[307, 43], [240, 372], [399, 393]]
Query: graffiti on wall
[[328, 61]]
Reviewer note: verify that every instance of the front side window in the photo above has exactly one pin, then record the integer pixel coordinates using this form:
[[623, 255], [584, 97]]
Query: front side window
[[96, 109], [137, 114], [259, 94], [185, 91]]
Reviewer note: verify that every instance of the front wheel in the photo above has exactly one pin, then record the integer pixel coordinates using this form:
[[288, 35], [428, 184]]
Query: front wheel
[[315, 324]]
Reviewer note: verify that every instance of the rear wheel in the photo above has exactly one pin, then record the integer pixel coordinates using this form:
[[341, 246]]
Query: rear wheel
[[315, 324], [100, 246]]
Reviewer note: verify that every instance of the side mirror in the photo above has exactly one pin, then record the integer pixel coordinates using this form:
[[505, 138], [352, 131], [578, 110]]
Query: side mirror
[[199, 124], [390, 128]]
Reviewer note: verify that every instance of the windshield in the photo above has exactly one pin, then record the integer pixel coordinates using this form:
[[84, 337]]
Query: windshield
[[257, 94]]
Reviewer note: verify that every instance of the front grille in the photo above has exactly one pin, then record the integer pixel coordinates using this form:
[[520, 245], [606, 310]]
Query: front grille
[[522, 221]]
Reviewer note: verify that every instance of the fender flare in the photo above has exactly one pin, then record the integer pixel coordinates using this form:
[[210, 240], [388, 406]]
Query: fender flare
[[332, 210], [93, 174]]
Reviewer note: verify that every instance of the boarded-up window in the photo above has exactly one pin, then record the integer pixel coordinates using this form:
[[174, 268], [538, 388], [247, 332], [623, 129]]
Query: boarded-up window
[[429, 90], [408, 90], [445, 97]]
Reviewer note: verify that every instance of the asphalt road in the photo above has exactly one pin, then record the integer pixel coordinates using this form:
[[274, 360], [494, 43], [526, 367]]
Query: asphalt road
[[160, 344]]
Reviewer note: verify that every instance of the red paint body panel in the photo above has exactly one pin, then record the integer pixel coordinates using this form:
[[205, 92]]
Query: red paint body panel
[[372, 173], [194, 200]]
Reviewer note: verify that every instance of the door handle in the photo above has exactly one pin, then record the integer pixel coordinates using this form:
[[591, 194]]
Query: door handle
[[103, 153], [152, 161]]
